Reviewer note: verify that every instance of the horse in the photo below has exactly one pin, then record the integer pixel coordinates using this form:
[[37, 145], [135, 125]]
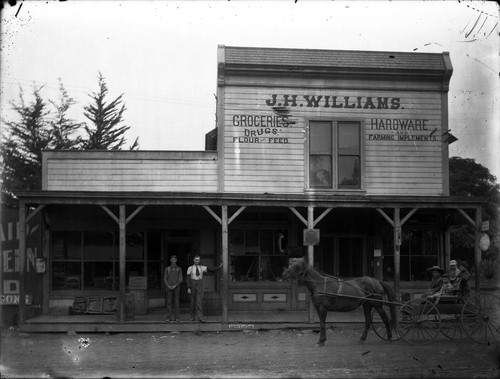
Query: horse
[[329, 293]]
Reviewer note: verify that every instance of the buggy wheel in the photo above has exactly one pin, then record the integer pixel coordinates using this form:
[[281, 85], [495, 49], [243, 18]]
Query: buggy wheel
[[379, 328], [481, 318], [451, 326], [419, 322]]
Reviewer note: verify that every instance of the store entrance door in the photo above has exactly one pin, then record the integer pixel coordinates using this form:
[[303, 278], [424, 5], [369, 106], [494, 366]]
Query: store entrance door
[[183, 251], [341, 256]]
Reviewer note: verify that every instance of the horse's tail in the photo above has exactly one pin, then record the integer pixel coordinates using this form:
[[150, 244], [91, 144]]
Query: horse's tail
[[391, 296]]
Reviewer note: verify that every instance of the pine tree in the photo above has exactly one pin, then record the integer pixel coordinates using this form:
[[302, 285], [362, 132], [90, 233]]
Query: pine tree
[[64, 129], [22, 145], [105, 131]]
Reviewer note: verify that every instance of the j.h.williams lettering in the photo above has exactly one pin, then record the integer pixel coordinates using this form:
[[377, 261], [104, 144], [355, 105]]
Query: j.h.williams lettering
[[332, 101]]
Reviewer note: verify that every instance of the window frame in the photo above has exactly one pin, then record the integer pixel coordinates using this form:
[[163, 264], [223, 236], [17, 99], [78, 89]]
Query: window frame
[[335, 154]]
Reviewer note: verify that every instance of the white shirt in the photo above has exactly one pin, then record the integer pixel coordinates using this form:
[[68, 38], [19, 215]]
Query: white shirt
[[191, 271]]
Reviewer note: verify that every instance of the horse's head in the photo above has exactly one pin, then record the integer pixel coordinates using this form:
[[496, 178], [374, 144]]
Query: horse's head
[[296, 269]]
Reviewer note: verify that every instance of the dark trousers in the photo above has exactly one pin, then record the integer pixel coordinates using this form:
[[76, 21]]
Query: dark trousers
[[196, 298], [173, 297]]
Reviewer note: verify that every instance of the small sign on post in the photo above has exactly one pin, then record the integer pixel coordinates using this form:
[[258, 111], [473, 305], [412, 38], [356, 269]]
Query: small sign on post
[[485, 226], [311, 237]]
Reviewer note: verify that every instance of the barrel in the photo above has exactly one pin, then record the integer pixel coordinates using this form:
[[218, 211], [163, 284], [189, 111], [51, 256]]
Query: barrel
[[141, 301]]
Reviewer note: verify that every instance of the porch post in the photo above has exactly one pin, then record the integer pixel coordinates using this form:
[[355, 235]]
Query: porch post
[[46, 255], [310, 255], [397, 257], [122, 242], [22, 262], [447, 243], [225, 264], [477, 249]]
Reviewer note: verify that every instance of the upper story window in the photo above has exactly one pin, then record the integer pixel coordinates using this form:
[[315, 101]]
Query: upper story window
[[335, 154]]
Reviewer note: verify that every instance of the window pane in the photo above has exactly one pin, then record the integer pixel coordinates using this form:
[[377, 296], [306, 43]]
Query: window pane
[[348, 138], [243, 268], [416, 242], [266, 242], [66, 275], [349, 172], [97, 275], [98, 246], [431, 242], [252, 241], [320, 137], [135, 246], [154, 246], [320, 171], [419, 266], [237, 242], [133, 269], [154, 275], [67, 245]]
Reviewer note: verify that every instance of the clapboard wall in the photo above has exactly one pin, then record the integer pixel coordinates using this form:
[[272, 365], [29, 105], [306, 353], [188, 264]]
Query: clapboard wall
[[182, 171], [265, 108]]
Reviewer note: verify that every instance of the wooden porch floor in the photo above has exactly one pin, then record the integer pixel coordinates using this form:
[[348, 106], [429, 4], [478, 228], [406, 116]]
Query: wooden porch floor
[[155, 322]]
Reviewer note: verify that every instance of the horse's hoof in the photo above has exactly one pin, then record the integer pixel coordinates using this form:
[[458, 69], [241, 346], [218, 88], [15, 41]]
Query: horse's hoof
[[319, 344]]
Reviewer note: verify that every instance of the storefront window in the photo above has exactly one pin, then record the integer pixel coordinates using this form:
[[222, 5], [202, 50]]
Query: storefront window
[[418, 251], [257, 254], [89, 260], [154, 260]]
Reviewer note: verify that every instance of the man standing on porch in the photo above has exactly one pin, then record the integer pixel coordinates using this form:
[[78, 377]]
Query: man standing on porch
[[173, 280], [194, 283]]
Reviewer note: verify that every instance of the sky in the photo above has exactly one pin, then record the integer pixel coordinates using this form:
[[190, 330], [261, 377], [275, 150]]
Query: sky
[[162, 55]]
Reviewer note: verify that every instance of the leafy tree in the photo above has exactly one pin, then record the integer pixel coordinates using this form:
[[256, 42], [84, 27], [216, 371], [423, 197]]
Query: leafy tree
[[22, 145], [64, 129], [105, 130], [468, 178]]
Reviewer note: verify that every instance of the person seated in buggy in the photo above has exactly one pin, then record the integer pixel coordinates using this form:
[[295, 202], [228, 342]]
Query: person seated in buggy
[[461, 282], [446, 291], [436, 281]]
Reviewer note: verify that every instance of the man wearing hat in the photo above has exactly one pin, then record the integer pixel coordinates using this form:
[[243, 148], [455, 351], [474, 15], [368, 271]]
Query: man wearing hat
[[436, 280], [173, 280]]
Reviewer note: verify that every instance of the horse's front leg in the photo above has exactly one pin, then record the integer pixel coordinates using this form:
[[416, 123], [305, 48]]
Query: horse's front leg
[[322, 326], [385, 319], [367, 310]]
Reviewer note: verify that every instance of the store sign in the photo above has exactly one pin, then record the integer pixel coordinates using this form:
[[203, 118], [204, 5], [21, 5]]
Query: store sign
[[14, 299], [311, 237], [485, 226], [10, 257]]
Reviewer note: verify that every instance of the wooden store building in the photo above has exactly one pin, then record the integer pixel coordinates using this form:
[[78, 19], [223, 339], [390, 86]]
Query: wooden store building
[[338, 155]]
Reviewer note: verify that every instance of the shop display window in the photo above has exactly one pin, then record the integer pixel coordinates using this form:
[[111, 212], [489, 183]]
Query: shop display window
[[418, 251], [257, 254], [88, 260]]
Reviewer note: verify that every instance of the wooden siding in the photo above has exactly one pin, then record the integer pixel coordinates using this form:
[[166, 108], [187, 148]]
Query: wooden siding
[[394, 162], [102, 171]]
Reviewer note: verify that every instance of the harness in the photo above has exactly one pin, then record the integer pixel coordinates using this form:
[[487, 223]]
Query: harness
[[339, 289]]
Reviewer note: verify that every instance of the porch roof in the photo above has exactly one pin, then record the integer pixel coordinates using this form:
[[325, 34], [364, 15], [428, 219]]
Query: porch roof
[[246, 199]]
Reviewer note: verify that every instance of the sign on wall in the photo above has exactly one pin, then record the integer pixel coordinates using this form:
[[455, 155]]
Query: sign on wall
[[9, 253]]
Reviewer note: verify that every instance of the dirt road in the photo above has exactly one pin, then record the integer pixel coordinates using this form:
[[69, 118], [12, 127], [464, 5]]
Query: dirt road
[[274, 353]]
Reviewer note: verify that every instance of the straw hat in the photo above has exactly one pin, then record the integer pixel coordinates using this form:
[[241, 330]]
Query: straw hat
[[453, 263], [436, 268]]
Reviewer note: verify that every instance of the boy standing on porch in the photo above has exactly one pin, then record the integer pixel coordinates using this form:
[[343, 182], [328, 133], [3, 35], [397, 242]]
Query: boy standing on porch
[[173, 280], [194, 282]]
